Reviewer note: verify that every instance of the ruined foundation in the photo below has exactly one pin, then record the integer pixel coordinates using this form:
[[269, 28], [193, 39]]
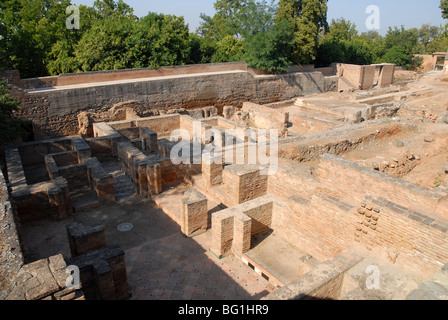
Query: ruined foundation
[[360, 182]]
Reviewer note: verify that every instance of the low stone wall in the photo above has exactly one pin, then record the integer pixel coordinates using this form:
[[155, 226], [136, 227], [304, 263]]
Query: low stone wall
[[45, 279], [194, 213], [233, 228], [303, 125], [360, 77], [243, 183]]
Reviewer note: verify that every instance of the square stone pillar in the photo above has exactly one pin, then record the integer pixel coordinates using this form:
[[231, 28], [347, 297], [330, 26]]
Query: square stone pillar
[[212, 168], [84, 239], [150, 140], [243, 183], [242, 234], [194, 213], [222, 232], [155, 179], [104, 280]]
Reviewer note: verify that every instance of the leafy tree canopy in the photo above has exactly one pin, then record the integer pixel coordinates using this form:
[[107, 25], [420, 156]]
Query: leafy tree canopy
[[444, 7], [9, 128]]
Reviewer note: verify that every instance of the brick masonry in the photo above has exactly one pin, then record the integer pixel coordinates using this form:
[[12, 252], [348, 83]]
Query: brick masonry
[[103, 274], [194, 213], [233, 228], [330, 218], [84, 239]]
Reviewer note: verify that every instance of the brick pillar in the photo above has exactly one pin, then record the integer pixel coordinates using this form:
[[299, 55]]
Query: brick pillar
[[241, 234], [142, 182], [151, 140], [243, 183], [386, 75], [104, 280], [84, 239], [212, 168], [194, 213], [155, 185], [56, 198], [222, 232], [118, 268], [105, 189]]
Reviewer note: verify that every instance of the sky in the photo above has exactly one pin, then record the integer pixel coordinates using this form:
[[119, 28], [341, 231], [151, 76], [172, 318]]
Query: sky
[[410, 13]]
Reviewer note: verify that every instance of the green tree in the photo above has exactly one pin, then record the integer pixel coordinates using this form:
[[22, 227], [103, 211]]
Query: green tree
[[102, 47], [123, 42], [202, 49], [440, 43], [427, 33], [29, 30], [249, 27], [444, 7], [269, 51], [158, 40], [229, 49], [341, 29], [10, 128], [341, 43], [107, 9], [400, 46], [228, 19], [307, 18]]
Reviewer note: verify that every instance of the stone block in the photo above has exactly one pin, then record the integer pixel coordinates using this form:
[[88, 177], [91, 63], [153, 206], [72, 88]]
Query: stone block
[[103, 274], [84, 239], [37, 280], [243, 183], [242, 234], [194, 213], [212, 168]]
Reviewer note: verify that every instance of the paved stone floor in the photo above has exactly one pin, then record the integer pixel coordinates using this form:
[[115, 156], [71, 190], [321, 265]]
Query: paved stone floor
[[179, 268]]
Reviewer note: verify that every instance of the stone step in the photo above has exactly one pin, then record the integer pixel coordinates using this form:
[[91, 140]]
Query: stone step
[[437, 289]]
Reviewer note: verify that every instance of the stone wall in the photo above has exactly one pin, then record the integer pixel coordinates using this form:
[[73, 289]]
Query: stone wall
[[358, 77], [344, 207], [103, 274], [352, 182], [55, 112], [233, 228], [11, 253], [44, 279], [117, 75]]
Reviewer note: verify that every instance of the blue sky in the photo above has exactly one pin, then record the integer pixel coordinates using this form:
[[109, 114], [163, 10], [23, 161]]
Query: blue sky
[[410, 13]]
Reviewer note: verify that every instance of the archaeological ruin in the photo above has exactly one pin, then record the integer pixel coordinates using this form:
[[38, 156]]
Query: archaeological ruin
[[352, 203]]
